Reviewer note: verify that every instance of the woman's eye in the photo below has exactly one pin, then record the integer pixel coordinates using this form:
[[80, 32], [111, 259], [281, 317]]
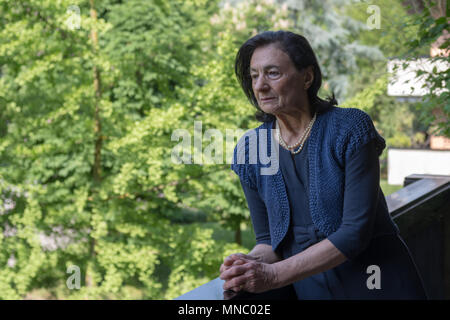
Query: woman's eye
[[254, 76], [273, 74]]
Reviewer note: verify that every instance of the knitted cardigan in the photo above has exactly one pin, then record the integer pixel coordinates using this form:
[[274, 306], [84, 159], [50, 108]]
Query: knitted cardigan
[[335, 136]]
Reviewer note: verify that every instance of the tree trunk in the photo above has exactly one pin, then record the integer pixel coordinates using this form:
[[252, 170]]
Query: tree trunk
[[98, 95], [238, 235], [96, 172]]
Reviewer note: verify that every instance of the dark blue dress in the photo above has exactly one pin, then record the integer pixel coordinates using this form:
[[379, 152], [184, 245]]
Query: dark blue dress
[[381, 247]]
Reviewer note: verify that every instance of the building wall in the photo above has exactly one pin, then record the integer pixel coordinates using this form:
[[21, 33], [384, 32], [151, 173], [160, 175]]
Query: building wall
[[403, 162], [439, 142]]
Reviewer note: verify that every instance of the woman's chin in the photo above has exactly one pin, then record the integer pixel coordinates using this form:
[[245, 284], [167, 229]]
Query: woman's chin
[[271, 109]]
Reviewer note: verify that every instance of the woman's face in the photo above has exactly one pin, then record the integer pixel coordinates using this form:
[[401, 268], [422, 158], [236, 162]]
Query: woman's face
[[277, 85]]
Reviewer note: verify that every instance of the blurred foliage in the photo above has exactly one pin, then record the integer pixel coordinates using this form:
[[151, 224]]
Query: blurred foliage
[[418, 32], [435, 105], [148, 227], [401, 123], [119, 229]]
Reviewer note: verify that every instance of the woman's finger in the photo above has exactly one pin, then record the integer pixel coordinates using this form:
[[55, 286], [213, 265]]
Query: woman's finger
[[236, 284], [228, 261], [233, 271], [240, 256], [238, 262], [224, 267], [247, 257]]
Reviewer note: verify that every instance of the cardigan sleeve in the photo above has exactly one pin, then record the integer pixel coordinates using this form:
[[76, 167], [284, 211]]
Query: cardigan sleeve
[[258, 214], [241, 164], [257, 207], [362, 174], [360, 132]]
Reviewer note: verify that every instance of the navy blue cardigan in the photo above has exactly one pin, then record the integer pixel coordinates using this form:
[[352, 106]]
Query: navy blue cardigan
[[335, 136]]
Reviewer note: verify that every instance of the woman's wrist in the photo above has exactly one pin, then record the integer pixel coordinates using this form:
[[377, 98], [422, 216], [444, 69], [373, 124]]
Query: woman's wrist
[[280, 278], [263, 253]]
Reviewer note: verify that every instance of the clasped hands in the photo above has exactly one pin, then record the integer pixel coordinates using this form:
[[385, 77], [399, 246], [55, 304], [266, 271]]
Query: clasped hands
[[247, 273]]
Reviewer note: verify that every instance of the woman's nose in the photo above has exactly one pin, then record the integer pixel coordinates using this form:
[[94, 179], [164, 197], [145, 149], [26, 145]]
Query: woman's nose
[[261, 84]]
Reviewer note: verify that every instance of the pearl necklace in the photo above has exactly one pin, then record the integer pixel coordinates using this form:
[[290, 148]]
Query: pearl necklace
[[302, 140]]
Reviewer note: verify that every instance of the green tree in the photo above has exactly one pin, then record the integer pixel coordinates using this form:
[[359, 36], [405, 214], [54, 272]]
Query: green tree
[[48, 145], [87, 114], [433, 25]]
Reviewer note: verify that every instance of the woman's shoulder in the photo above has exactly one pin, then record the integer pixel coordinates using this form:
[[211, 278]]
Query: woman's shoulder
[[354, 128], [342, 122], [348, 116]]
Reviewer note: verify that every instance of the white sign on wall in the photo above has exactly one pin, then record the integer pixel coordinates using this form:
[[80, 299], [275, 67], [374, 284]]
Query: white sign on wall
[[404, 162]]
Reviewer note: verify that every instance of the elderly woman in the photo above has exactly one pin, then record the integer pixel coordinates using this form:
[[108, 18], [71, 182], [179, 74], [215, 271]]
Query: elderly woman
[[321, 221]]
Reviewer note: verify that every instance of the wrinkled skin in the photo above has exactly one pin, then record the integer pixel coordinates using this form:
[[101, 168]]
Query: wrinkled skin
[[244, 272]]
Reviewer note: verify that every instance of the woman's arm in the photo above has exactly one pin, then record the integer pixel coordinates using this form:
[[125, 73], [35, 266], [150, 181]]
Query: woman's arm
[[258, 214], [318, 258], [262, 251], [352, 237], [254, 276]]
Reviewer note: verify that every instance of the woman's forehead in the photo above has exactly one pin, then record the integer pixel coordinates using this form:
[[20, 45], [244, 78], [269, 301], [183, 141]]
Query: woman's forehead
[[269, 56]]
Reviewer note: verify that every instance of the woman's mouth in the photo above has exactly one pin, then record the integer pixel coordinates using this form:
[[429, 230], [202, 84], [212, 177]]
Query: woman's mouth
[[266, 99]]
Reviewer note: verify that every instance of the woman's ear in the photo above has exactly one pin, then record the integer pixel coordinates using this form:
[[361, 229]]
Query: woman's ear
[[308, 77]]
